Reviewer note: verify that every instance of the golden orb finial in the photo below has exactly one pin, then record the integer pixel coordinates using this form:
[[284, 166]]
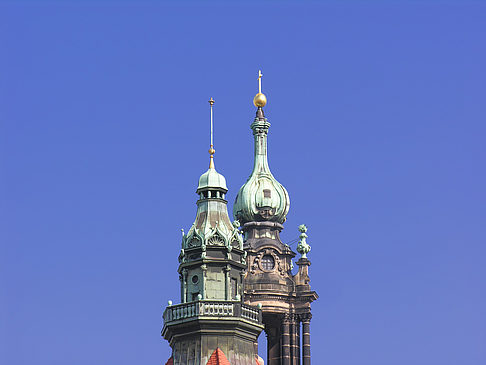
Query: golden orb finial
[[211, 157], [260, 100]]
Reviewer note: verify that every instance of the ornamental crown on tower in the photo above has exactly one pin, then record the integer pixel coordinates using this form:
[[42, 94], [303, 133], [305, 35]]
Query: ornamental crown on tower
[[212, 225]]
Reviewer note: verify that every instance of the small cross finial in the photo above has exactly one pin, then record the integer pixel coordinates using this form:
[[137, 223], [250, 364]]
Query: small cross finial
[[260, 100], [260, 81]]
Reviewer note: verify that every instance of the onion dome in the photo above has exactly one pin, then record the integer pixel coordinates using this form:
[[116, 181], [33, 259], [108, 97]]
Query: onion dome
[[262, 197]]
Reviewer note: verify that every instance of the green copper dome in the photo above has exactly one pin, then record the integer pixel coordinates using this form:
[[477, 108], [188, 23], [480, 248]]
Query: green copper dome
[[212, 179], [212, 226], [262, 197]]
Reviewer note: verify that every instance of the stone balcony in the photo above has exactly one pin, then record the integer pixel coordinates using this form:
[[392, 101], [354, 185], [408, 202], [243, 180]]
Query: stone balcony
[[209, 308]]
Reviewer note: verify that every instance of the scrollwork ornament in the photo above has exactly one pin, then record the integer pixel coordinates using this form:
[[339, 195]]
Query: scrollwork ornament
[[254, 264], [278, 263], [257, 262], [243, 257]]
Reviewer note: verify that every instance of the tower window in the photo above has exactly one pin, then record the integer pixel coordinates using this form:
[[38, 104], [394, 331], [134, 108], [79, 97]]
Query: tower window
[[268, 263], [234, 288], [195, 279], [267, 193]]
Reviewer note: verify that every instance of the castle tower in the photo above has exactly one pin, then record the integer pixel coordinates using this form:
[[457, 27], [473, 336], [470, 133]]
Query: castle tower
[[261, 207], [212, 322]]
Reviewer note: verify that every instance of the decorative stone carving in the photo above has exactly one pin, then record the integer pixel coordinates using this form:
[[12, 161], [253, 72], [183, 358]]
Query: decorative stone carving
[[194, 241], [243, 257], [257, 262], [194, 257], [306, 317], [216, 240], [236, 239]]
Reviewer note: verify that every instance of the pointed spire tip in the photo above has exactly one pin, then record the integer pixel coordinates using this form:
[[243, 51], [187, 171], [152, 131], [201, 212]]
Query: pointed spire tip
[[211, 149]]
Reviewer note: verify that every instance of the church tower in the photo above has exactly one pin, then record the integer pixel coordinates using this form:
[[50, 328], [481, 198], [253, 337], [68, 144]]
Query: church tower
[[261, 207], [212, 324]]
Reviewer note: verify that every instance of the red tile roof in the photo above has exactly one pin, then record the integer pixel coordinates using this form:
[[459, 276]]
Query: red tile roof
[[218, 358]]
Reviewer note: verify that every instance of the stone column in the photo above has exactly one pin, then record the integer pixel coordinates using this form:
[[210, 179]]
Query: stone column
[[204, 269], [273, 345], [240, 287], [306, 353], [183, 288], [295, 339], [286, 340], [184, 285], [227, 294]]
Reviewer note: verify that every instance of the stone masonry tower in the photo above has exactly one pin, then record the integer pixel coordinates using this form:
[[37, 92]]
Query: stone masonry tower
[[212, 322], [261, 208]]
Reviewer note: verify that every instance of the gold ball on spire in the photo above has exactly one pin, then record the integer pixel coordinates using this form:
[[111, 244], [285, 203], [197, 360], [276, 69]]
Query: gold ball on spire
[[260, 100]]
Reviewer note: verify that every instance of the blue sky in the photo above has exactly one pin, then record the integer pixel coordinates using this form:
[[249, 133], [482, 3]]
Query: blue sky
[[378, 133]]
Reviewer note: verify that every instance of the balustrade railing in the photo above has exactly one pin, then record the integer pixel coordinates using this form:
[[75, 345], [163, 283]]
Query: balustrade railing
[[208, 308]]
